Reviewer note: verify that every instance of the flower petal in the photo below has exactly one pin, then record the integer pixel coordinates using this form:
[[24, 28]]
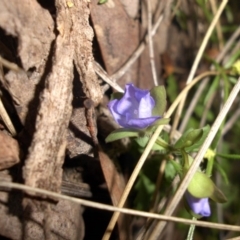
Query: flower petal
[[141, 122], [146, 105], [199, 205], [128, 103], [121, 120], [139, 93]]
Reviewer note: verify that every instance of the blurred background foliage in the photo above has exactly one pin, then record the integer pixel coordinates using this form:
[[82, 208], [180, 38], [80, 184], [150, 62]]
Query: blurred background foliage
[[194, 21]]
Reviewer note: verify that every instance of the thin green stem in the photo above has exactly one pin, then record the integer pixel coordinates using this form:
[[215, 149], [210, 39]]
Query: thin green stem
[[163, 144], [191, 231], [210, 166]]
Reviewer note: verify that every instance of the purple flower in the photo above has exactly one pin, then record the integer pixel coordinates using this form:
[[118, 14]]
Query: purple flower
[[199, 206], [134, 109]]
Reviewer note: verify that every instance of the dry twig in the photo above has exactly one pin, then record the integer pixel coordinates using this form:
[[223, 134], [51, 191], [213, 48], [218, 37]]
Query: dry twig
[[87, 203], [150, 43]]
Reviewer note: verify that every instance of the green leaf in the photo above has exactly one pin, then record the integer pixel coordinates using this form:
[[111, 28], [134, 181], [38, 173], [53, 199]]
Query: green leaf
[[170, 170], [226, 86], [102, 1], [232, 80], [122, 133], [142, 142], [222, 172], [159, 95], [195, 147], [216, 139], [190, 137], [218, 196], [214, 86], [116, 95], [200, 108], [234, 57], [145, 188], [177, 166], [162, 121], [172, 88], [229, 156]]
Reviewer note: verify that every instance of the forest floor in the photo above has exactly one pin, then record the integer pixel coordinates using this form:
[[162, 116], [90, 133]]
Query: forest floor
[[60, 62]]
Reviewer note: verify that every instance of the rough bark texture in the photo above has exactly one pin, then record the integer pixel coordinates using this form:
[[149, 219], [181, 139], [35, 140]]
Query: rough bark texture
[[43, 94], [43, 166], [46, 153]]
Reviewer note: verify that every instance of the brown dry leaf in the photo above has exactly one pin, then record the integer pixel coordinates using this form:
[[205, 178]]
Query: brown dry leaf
[[131, 7], [34, 30], [111, 170], [114, 179], [33, 27], [117, 35], [9, 151], [116, 185], [112, 175]]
